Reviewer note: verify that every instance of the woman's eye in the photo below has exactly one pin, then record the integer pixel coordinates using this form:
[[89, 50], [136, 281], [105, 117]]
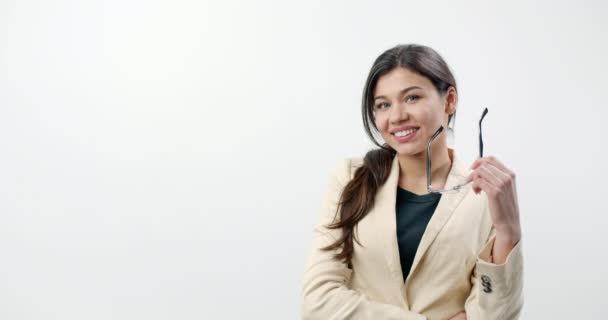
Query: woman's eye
[[379, 106], [412, 96]]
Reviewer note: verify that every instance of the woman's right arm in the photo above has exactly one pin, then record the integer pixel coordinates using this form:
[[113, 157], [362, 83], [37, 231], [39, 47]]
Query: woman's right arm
[[324, 292]]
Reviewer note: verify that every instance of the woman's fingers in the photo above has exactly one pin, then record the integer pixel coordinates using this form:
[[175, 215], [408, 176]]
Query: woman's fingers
[[495, 162], [494, 172], [481, 183]]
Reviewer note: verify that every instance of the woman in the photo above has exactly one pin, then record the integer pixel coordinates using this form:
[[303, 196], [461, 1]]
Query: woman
[[401, 238]]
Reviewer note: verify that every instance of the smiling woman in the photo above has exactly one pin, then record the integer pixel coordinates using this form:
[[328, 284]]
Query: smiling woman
[[383, 247]]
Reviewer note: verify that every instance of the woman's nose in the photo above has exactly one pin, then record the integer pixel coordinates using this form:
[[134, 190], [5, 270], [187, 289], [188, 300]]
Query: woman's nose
[[398, 113]]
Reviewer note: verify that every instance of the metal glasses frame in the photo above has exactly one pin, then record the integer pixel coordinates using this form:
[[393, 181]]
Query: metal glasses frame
[[428, 162]]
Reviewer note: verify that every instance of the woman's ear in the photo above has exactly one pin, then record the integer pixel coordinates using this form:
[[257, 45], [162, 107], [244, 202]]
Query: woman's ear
[[451, 100]]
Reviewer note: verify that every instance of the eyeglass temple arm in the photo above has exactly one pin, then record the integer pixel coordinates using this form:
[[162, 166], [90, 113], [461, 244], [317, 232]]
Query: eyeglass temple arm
[[428, 162], [485, 111]]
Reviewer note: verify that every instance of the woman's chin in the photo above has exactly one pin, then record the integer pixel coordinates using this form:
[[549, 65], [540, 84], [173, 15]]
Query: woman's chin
[[409, 149]]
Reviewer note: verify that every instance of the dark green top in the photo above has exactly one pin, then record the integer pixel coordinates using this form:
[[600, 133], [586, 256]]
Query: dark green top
[[413, 214]]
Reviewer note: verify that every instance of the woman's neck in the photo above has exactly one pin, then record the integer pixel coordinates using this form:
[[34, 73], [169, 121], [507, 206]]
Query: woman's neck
[[412, 175]]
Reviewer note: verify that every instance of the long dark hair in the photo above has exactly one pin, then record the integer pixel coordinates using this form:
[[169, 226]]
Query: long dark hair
[[358, 195]]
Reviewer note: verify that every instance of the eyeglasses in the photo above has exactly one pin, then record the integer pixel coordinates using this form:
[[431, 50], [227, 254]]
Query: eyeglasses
[[428, 161]]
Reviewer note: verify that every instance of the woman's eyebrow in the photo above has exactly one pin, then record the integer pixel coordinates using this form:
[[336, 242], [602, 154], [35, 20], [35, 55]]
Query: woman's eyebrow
[[402, 92]]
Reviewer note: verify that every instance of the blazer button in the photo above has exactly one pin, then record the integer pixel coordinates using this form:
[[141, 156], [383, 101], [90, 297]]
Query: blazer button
[[486, 282]]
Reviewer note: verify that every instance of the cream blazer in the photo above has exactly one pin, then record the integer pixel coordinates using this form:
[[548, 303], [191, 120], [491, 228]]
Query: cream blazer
[[450, 272]]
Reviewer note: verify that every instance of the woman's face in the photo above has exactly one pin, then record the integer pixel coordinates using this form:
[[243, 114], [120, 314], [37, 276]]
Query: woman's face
[[406, 99]]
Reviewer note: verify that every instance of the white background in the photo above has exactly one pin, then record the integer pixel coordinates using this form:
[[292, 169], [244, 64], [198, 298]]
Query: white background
[[166, 159]]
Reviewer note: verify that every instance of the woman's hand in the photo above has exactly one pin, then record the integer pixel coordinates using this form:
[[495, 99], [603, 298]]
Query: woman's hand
[[459, 316], [498, 182]]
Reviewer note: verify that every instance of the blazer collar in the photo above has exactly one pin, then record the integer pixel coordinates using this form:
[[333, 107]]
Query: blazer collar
[[385, 216]]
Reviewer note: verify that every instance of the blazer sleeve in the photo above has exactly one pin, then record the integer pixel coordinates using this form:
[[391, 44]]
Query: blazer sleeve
[[324, 293], [497, 289]]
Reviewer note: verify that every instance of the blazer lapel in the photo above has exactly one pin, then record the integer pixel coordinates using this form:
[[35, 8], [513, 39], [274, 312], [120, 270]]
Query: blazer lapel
[[385, 216]]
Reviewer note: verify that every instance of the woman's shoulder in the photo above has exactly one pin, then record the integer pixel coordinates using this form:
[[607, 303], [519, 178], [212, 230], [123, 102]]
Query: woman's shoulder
[[351, 164], [344, 169], [356, 161]]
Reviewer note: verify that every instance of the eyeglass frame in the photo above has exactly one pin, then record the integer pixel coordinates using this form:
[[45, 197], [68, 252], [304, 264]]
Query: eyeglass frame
[[428, 158]]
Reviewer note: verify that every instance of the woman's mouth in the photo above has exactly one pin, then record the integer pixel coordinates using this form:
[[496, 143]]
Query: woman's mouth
[[405, 136]]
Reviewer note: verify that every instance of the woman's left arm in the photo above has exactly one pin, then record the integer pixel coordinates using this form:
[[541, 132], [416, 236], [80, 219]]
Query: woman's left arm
[[497, 291], [503, 245]]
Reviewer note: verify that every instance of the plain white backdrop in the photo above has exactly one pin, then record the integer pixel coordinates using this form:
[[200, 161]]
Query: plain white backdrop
[[166, 159]]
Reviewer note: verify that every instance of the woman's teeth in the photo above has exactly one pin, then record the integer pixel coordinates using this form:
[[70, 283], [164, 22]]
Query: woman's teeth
[[405, 133]]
